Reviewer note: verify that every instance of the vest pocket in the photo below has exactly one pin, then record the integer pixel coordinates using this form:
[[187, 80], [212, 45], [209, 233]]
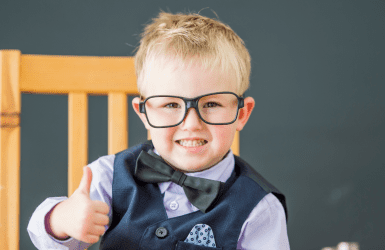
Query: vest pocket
[[188, 246]]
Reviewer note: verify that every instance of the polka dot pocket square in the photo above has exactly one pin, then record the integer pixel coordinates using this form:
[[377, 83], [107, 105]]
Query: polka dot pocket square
[[201, 235]]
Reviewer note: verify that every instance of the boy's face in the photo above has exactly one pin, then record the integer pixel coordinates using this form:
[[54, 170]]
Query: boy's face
[[172, 80]]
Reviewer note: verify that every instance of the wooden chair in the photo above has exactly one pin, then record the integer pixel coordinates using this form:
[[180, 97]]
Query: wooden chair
[[75, 76]]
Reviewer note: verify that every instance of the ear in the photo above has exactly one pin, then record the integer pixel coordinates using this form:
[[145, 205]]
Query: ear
[[245, 112], [142, 116]]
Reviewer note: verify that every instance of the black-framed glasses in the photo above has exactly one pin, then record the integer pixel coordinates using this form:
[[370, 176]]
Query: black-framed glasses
[[219, 108]]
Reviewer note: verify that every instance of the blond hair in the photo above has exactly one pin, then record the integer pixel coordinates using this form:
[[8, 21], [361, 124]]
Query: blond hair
[[191, 38]]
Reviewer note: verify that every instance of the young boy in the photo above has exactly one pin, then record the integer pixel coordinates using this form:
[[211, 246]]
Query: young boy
[[184, 189]]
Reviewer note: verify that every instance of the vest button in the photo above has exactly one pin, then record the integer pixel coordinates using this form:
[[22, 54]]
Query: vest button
[[174, 205], [161, 232]]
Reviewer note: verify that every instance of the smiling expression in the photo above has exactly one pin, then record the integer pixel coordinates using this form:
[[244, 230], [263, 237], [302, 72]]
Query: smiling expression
[[193, 145]]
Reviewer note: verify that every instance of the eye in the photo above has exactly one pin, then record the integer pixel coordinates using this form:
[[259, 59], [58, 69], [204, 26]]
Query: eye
[[173, 105], [212, 105]]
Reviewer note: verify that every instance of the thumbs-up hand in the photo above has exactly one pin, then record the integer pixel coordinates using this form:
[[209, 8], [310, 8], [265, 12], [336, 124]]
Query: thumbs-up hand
[[79, 216]]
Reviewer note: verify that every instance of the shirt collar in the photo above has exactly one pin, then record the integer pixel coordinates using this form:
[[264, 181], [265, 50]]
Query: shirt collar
[[219, 172]]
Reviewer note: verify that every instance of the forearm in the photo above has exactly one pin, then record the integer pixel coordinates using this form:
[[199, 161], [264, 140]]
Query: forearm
[[39, 227], [50, 220], [39, 235]]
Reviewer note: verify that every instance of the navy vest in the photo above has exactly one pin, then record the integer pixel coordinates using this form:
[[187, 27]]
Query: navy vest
[[138, 209]]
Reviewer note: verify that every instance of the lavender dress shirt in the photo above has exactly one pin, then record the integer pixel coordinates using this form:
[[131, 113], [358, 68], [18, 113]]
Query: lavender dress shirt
[[264, 229]]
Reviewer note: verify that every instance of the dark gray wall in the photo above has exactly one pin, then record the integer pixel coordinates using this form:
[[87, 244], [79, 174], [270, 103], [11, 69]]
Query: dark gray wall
[[317, 132]]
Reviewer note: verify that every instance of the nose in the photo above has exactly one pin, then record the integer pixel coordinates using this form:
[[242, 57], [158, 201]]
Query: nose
[[192, 121]]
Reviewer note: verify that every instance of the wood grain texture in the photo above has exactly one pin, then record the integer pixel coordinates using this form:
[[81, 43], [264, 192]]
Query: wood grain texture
[[65, 74], [77, 138], [117, 122], [235, 144], [10, 106]]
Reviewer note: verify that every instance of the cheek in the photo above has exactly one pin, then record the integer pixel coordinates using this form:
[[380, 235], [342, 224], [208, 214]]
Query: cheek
[[224, 135], [163, 138]]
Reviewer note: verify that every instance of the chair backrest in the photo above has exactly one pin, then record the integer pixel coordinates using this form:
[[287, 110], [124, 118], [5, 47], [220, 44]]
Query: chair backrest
[[75, 76]]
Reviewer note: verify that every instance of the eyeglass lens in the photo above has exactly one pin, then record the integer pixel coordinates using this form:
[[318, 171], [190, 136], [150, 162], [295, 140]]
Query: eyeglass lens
[[169, 111]]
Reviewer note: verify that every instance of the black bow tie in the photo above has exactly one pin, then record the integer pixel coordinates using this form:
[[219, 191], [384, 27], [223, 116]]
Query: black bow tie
[[200, 192]]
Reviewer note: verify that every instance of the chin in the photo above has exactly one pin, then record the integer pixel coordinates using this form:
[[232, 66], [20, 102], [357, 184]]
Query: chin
[[191, 169]]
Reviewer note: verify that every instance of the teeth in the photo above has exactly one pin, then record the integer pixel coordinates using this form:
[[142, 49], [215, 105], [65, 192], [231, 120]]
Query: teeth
[[191, 143]]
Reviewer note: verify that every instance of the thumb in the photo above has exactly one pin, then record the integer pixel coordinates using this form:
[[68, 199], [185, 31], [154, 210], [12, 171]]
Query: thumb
[[85, 183]]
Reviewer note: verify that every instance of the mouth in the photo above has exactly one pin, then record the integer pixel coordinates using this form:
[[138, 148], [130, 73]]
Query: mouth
[[191, 142]]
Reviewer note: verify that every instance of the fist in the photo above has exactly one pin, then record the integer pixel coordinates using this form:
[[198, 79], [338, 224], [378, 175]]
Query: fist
[[79, 216]]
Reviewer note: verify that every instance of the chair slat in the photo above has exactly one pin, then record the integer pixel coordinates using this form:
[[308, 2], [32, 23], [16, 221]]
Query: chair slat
[[117, 122], [10, 106], [148, 135], [65, 74], [235, 144], [77, 138]]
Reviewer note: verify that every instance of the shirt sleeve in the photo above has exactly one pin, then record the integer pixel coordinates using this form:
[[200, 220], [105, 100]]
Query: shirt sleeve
[[265, 228], [101, 189]]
